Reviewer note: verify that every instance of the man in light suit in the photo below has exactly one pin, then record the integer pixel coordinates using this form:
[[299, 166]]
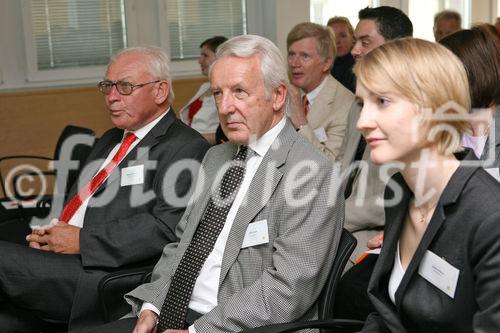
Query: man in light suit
[[279, 239], [126, 221], [321, 116]]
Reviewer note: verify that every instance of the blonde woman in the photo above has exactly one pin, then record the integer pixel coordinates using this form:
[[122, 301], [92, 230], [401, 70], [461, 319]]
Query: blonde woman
[[438, 270]]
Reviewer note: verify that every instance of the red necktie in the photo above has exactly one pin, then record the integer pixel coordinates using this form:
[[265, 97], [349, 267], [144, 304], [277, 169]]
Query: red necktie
[[305, 104], [193, 109], [89, 189]]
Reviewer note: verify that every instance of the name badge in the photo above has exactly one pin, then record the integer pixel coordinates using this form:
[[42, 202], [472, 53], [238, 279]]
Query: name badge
[[439, 273], [132, 175], [320, 134], [494, 172], [256, 234]]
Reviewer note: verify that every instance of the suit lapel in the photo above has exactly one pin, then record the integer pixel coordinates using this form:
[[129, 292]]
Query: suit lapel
[[448, 198], [101, 151], [317, 113], [268, 176], [395, 217], [136, 155]]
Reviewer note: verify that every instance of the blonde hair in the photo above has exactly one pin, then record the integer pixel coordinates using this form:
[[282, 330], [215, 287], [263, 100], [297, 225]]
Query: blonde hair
[[428, 75], [343, 20], [324, 36]]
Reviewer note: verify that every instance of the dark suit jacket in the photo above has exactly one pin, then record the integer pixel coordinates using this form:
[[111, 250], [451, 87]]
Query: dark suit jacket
[[465, 231], [136, 221]]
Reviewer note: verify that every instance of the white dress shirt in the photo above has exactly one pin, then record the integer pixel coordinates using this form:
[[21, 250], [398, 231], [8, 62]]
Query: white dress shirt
[[311, 96], [206, 288], [78, 217]]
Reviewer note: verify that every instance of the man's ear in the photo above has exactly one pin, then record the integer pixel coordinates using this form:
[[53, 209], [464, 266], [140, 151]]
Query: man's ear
[[328, 64], [279, 97], [161, 93]]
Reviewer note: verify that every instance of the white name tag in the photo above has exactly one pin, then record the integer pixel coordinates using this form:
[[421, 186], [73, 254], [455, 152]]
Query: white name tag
[[132, 175], [494, 172], [256, 234], [320, 134], [439, 273]]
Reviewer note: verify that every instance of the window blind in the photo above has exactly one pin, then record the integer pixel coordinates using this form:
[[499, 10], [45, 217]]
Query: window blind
[[190, 22], [77, 33]]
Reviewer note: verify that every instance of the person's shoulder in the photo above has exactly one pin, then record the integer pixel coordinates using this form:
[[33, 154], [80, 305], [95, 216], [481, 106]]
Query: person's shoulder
[[302, 150], [484, 187]]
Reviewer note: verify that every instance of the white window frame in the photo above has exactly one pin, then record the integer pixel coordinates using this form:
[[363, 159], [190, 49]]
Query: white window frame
[[59, 75], [90, 74]]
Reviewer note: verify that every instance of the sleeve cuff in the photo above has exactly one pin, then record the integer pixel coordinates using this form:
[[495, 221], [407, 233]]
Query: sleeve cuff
[[149, 306], [191, 329]]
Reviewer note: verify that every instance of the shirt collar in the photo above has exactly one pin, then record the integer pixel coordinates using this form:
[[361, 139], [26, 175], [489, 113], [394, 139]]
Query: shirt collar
[[141, 132], [314, 93], [262, 145]]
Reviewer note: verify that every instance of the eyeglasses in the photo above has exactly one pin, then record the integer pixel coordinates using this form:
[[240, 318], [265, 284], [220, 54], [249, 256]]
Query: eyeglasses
[[123, 87]]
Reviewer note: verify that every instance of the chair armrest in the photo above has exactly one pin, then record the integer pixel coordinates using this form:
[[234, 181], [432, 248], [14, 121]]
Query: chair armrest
[[334, 325], [114, 286]]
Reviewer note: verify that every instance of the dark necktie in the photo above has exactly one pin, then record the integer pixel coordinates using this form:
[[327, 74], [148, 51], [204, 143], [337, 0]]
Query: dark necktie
[[174, 309], [89, 189]]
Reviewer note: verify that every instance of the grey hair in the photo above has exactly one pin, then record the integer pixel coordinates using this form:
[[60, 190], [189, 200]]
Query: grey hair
[[158, 63], [272, 65]]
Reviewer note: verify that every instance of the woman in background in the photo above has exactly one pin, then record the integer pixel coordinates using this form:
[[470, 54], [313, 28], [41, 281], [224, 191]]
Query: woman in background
[[200, 113], [344, 61], [438, 270], [478, 49]]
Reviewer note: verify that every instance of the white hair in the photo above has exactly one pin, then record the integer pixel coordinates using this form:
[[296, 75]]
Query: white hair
[[272, 65], [158, 63]]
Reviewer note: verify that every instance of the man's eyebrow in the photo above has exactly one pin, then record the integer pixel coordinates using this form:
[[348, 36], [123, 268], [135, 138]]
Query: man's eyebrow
[[363, 37]]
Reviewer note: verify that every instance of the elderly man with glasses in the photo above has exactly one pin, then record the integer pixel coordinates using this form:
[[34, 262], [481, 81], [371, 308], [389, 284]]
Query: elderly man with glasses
[[125, 208]]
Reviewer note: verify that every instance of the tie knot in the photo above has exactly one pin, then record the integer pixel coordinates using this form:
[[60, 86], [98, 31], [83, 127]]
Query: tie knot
[[305, 101], [242, 153], [129, 138]]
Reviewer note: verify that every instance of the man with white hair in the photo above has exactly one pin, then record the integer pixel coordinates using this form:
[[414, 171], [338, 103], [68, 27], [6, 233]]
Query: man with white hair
[[122, 211], [259, 239]]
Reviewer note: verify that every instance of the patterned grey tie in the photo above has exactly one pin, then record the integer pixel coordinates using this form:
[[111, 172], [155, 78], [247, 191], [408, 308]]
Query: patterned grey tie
[[174, 309]]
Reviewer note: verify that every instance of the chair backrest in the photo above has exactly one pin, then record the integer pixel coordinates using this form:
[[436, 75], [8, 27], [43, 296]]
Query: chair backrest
[[326, 299], [79, 153]]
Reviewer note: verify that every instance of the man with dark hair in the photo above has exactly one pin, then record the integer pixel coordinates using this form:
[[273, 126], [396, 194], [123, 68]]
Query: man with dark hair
[[446, 22], [377, 26]]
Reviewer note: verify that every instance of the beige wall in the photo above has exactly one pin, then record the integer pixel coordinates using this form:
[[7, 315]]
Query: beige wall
[[31, 121]]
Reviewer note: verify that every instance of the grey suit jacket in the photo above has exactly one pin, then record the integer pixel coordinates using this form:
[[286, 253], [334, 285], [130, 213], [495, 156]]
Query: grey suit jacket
[[364, 213], [274, 282], [330, 111], [464, 231], [136, 221]]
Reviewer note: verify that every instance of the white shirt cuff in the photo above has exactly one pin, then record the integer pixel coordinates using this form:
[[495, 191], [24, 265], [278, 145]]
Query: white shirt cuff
[[148, 306], [191, 329]]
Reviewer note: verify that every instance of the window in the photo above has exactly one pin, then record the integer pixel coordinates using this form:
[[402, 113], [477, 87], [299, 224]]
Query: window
[[322, 10], [190, 22], [421, 13], [72, 35]]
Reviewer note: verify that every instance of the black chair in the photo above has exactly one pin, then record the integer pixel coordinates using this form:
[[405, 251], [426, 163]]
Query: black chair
[[326, 299], [79, 152], [115, 285], [14, 222]]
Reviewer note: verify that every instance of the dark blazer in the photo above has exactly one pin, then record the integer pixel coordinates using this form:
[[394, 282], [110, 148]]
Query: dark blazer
[[138, 220], [465, 231]]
